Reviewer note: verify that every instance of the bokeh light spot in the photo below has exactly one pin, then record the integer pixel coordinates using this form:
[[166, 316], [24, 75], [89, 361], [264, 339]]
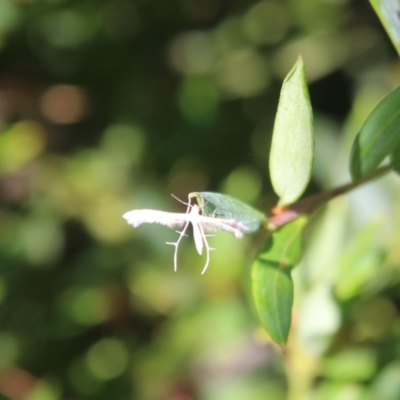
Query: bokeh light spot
[[107, 359], [9, 350], [44, 390], [67, 29], [319, 16], [229, 35], [351, 365], [20, 144], [243, 73], [158, 290], [187, 175], [64, 104], [42, 240], [104, 218], [193, 53], [322, 54], [124, 144], [9, 15], [243, 183], [266, 22], [87, 306], [198, 100], [375, 319]]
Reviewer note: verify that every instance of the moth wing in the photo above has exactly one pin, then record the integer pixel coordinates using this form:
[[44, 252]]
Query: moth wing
[[237, 228], [138, 217]]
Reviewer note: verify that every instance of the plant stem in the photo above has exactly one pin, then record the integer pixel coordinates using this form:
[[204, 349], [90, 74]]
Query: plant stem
[[309, 204]]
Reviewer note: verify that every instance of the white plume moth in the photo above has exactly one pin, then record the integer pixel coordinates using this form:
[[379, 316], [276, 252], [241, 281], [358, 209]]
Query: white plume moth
[[201, 225]]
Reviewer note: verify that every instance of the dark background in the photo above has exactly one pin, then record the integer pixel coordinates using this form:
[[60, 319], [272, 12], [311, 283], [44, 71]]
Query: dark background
[[111, 105]]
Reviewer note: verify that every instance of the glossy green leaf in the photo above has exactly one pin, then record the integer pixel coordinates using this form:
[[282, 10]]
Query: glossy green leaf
[[223, 206], [292, 148], [272, 283], [378, 137], [388, 12], [395, 158]]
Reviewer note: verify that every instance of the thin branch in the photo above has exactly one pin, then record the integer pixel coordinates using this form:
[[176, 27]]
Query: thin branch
[[309, 204]]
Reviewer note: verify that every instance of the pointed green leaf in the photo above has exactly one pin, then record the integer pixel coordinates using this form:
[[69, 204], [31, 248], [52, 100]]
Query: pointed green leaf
[[272, 283], [378, 137], [292, 148], [223, 206], [388, 12]]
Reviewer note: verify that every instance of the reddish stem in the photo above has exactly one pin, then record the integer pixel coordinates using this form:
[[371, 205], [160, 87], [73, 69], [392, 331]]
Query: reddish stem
[[309, 204]]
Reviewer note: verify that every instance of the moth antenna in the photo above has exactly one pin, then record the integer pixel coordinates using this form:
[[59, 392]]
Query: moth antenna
[[181, 201], [189, 206]]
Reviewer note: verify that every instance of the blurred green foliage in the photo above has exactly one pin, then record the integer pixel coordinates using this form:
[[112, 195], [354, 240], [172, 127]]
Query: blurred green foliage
[[107, 106]]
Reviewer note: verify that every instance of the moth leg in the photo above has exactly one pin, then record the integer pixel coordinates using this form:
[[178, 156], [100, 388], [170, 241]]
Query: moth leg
[[208, 248], [214, 214], [176, 245]]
